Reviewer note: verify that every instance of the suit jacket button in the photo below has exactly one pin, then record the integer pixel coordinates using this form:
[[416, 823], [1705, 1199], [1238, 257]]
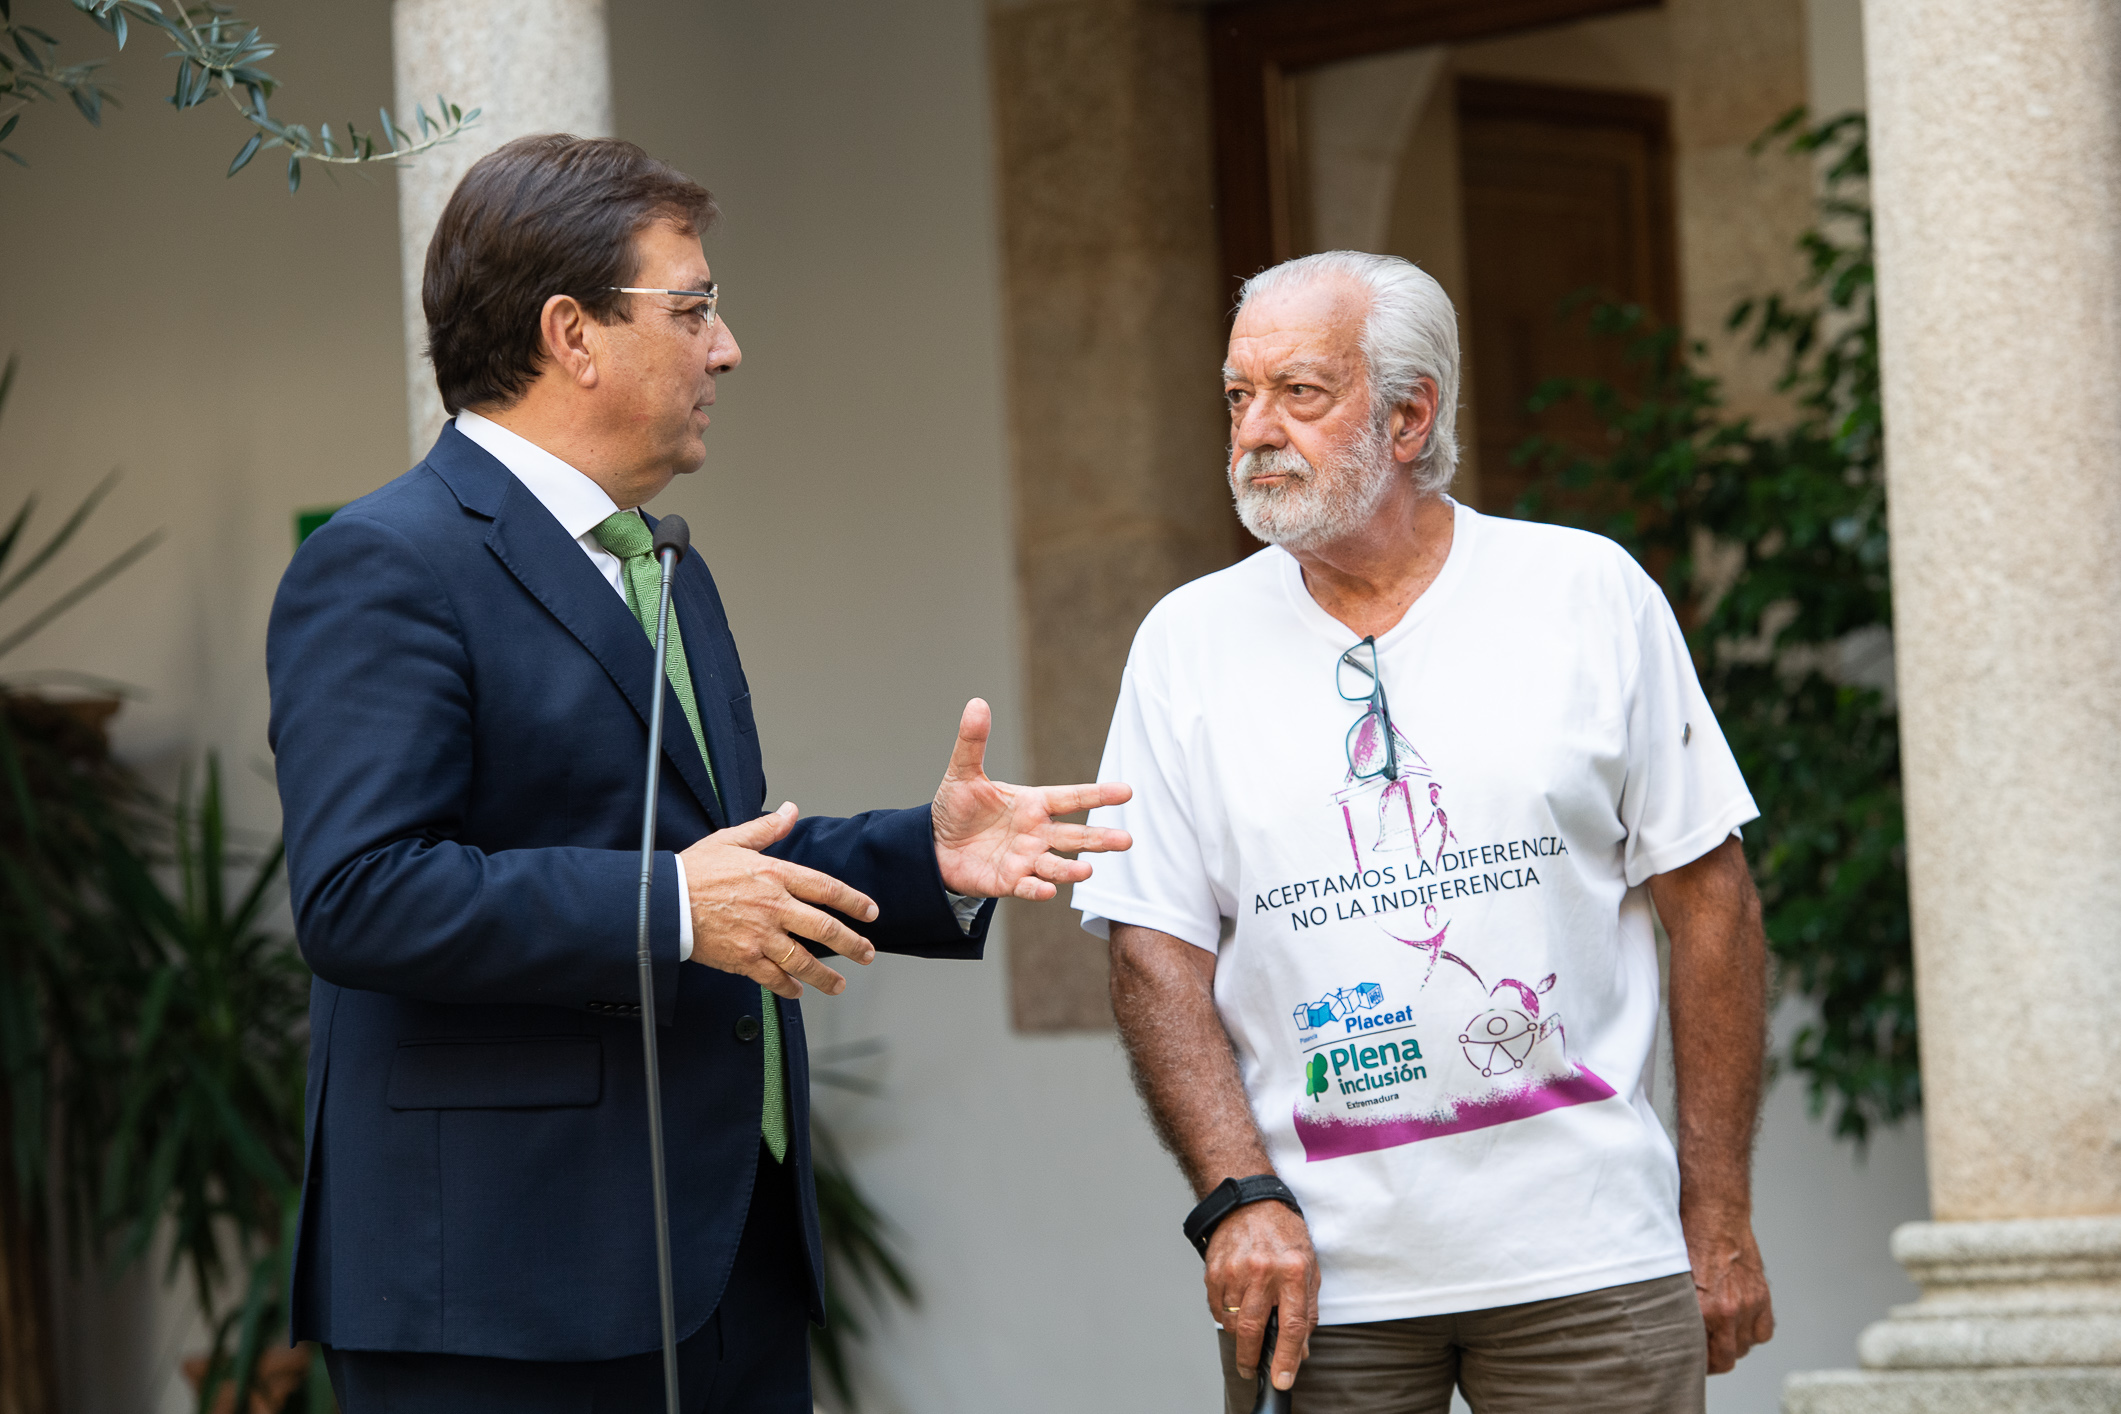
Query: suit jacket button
[[747, 1028]]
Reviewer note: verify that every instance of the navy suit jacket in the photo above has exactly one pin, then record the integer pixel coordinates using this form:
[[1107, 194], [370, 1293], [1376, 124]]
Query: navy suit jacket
[[459, 717]]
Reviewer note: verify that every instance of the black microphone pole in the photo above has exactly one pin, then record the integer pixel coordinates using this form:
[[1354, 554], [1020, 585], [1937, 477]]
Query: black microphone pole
[[672, 538]]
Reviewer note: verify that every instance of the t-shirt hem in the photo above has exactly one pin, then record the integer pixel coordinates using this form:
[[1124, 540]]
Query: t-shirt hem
[[1098, 919], [1545, 1286], [1693, 845]]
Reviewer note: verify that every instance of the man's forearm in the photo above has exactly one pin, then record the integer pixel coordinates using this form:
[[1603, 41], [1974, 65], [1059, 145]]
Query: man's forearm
[[1719, 1040], [1163, 996], [1260, 1258], [445, 922], [1719, 1024]]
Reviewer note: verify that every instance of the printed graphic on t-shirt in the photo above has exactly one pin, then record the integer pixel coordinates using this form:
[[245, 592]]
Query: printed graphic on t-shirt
[[1497, 1050]]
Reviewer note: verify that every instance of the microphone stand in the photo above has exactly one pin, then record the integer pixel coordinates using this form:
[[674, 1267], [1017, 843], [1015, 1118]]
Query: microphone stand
[[672, 539]]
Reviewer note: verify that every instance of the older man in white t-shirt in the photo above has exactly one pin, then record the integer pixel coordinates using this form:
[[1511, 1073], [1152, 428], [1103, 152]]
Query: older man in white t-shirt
[[1407, 783]]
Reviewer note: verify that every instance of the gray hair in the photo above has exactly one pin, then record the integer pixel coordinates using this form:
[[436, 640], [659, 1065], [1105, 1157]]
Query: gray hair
[[1409, 337]]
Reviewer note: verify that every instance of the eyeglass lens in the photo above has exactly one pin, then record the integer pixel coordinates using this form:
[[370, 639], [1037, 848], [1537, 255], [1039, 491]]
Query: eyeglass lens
[[707, 311], [1357, 671], [1370, 747]]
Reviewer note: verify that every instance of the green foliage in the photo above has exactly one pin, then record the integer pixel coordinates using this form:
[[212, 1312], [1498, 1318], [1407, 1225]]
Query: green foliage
[[11, 537], [217, 55], [152, 1033], [60, 1011], [857, 1237], [62, 800], [209, 1082], [163, 1027], [1773, 543]]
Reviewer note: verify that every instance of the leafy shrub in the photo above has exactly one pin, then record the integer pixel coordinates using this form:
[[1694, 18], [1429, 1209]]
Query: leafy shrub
[[1772, 544]]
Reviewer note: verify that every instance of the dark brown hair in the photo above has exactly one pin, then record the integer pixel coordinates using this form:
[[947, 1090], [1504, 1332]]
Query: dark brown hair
[[541, 216]]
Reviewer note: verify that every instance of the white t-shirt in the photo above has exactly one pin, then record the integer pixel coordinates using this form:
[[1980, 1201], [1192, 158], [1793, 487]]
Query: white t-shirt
[[1442, 989]]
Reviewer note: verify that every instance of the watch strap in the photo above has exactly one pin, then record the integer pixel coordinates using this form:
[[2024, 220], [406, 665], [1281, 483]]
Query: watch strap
[[1227, 1197]]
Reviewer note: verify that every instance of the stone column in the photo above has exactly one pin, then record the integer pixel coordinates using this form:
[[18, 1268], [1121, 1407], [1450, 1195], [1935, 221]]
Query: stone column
[[1116, 423], [531, 66], [1996, 136]]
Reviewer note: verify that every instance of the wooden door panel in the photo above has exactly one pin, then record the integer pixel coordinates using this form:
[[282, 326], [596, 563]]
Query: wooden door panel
[[1566, 192]]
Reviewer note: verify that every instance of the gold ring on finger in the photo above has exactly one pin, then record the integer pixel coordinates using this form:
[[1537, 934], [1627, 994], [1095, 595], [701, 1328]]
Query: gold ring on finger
[[783, 963], [1233, 1310]]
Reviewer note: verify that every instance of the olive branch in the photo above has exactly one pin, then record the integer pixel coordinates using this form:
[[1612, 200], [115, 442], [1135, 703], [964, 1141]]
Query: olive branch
[[217, 55]]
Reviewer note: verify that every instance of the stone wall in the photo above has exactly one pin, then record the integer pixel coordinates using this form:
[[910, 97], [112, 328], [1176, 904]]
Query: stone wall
[[1737, 67]]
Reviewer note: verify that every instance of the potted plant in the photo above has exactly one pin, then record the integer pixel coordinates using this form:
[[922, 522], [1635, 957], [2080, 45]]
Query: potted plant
[[152, 1030], [207, 1092]]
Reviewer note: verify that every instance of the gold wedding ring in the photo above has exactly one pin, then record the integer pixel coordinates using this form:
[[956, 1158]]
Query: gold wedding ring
[[783, 963], [1233, 1310]]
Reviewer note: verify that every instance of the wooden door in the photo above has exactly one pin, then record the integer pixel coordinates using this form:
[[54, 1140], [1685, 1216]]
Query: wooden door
[[1566, 191]]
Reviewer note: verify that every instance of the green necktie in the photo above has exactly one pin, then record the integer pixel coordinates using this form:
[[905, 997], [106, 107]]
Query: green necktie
[[627, 536]]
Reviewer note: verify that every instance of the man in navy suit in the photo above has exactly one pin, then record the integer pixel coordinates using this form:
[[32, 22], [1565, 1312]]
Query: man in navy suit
[[461, 684]]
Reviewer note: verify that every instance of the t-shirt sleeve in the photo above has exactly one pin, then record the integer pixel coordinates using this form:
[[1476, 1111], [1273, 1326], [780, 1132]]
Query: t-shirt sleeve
[[1161, 882], [1683, 794]]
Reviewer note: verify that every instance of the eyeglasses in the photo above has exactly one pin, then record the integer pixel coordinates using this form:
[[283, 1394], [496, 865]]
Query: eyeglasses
[[712, 294], [1372, 750]]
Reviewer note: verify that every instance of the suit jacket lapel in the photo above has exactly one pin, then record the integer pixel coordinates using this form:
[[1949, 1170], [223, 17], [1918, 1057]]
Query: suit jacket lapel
[[547, 562], [710, 652]]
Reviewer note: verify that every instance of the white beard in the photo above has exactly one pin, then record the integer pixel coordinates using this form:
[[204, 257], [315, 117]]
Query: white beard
[[1315, 506]]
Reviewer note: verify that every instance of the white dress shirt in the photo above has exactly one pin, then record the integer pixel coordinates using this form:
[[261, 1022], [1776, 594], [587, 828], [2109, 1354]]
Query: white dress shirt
[[580, 506]]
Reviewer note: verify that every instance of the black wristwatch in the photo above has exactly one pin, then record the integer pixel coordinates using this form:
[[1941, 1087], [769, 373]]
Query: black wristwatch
[[1227, 1197]]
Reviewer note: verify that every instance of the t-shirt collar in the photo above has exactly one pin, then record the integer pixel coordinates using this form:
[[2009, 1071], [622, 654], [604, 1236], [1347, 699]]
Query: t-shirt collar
[[576, 502], [1464, 530]]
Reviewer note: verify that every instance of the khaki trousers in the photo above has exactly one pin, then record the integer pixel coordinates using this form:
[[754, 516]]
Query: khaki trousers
[[1635, 1349]]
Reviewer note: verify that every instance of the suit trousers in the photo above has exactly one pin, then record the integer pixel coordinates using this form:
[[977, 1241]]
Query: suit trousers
[[1634, 1349], [752, 1356]]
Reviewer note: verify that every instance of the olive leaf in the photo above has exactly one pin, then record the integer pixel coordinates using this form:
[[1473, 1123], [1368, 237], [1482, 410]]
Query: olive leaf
[[218, 55]]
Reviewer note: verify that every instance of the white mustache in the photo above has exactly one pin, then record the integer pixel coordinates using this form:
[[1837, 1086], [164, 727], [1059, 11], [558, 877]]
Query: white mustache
[[1273, 461]]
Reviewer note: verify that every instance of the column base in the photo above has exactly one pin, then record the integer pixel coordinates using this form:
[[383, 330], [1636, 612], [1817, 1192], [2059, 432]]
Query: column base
[[2022, 1315], [2057, 1391]]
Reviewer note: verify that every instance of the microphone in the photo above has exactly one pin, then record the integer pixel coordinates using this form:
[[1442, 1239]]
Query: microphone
[[672, 539], [671, 533]]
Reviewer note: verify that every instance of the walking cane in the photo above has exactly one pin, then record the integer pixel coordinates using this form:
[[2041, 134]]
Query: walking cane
[[1271, 1400], [1200, 1224]]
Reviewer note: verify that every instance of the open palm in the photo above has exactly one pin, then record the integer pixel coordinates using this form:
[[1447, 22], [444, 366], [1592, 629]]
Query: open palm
[[994, 840]]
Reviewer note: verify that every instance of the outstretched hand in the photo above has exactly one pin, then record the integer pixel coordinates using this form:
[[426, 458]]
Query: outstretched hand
[[995, 840]]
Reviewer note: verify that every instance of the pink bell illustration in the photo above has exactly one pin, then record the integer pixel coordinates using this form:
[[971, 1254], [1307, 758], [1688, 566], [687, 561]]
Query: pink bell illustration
[[1395, 817]]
